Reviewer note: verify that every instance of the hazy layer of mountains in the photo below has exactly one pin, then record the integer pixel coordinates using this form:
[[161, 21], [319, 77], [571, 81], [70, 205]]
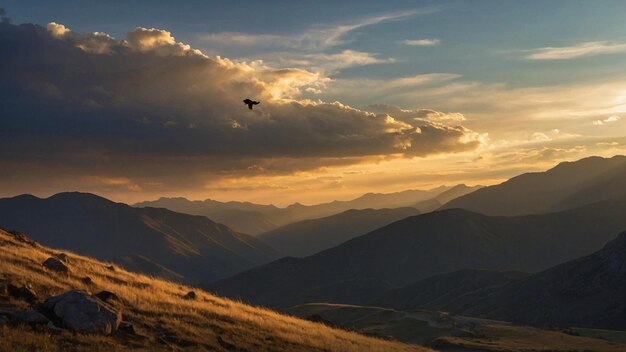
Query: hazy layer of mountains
[[566, 186], [585, 292], [308, 237], [159, 242], [417, 247], [254, 219]]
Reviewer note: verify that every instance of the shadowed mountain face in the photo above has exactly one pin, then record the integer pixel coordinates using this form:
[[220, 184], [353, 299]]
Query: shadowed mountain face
[[307, 237], [566, 186], [256, 218], [586, 292], [418, 247], [155, 241]]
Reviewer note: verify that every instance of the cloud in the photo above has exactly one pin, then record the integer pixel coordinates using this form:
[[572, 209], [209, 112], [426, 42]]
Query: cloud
[[316, 38], [613, 118], [409, 115], [149, 112], [575, 51], [329, 63], [421, 42]]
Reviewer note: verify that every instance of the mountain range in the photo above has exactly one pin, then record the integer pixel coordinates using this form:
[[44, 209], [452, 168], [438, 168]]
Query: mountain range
[[421, 246], [255, 219], [158, 242]]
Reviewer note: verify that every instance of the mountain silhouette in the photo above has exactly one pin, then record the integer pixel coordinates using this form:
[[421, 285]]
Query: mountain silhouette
[[566, 186], [154, 241], [255, 219]]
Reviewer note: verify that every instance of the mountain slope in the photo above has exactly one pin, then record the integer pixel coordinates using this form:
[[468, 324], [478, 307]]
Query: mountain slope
[[586, 292], [447, 291], [307, 237], [566, 186], [193, 247], [418, 247], [161, 319]]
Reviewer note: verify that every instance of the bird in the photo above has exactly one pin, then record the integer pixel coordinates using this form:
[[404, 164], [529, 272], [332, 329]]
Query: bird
[[250, 103]]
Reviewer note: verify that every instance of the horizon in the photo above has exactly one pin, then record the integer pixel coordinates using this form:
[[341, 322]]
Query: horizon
[[378, 99]]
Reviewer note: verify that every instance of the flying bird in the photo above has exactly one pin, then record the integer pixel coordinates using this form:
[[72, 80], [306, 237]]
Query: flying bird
[[250, 103]]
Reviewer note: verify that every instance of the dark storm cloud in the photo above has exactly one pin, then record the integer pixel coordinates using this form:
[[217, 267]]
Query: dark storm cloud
[[95, 104]]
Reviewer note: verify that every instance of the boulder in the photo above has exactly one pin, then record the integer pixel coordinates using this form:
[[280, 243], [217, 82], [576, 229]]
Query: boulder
[[56, 265], [82, 312], [87, 280], [25, 293]]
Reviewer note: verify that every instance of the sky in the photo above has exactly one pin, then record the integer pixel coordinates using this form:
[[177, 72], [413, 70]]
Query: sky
[[143, 99]]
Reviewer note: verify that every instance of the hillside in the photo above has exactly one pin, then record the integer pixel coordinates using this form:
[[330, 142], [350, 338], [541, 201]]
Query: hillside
[[418, 247], [156, 316], [585, 292], [308, 237], [447, 292], [254, 219], [159, 242], [566, 186]]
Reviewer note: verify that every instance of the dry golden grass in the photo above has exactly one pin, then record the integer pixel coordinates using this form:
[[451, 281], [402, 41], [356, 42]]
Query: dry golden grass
[[165, 320]]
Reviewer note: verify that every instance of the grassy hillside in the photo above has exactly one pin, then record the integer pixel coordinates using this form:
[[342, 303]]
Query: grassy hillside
[[162, 318]]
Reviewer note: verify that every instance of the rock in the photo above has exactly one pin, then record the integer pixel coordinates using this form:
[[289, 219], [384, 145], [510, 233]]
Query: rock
[[319, 319], [30, 316], [87, 280], [25, 293], [111, 268], [63, 257], [82, 312], [56, 265], [190, 295]]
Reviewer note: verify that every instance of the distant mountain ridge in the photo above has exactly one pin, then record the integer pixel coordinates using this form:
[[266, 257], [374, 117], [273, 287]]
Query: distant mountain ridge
[[418, 247], [255, 219], [160, 242], [566, 186], [308, 237]]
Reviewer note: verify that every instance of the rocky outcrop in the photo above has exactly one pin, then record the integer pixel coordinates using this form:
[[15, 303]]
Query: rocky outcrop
[[82, 312]]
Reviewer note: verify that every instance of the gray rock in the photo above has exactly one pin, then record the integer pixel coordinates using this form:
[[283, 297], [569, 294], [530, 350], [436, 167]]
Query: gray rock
[[82, 312], [56, 265]]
